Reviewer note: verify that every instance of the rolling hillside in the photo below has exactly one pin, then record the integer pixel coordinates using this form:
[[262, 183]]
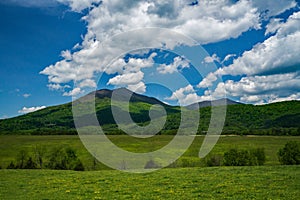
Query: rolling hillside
[[281, 118]]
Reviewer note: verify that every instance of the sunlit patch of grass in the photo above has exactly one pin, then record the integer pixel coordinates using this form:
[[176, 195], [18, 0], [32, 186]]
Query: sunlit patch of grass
[[264, 182]]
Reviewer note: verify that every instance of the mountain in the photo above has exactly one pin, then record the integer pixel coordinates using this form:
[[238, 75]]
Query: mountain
[[59, 119], [281, 118], [123, 93], [219, 102]]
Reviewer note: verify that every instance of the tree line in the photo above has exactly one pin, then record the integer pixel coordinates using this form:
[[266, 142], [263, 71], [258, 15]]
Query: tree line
[[65, 158], [288, 155], [59, 158]]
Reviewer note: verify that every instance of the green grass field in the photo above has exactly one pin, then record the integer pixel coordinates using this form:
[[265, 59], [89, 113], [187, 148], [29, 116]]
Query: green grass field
[[264, 182], [11, 145], [271, 181]]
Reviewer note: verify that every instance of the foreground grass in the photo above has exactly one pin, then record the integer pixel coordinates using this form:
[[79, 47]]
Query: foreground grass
[[265, 182], [10, 146]]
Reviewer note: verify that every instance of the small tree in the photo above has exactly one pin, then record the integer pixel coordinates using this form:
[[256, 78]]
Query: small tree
[[184, 162], [64, 159], [95, 162], [21, 159], [290, 153], [78, 166], [259, 155], [11, 165], [39, 155], [214, 160], [230, 158], [30, 164], [57, 159], [244, 158], [151, 165]]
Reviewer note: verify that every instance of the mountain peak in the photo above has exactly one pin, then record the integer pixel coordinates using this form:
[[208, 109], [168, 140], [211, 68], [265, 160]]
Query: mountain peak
[[219, 102], [103, 93], [122, 95]]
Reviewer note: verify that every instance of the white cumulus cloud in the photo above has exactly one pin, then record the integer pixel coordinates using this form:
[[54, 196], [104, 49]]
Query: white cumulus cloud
[[127, 79], [208, 80], [210, 21], [73, 92], [207, 22], [271, 68], [273, 7], [26, 110], [57, 87], [264, 89], [88, 83], [137, 88], [273, 26], [177, 64], [185, 95], [279, 52]]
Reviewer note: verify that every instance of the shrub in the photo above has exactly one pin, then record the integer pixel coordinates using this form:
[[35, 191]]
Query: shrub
[[57, 159], [30, 164], [11, 165], [290, 153], [235, 157], [21, 159], [39, 155], [231, 158], [184, 162], [151, 164], [78, 166], [64, 159], [214, 160], [259, 156]]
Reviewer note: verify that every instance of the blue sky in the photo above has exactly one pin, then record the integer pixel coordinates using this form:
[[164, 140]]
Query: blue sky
[[46, 46], [32, 38]]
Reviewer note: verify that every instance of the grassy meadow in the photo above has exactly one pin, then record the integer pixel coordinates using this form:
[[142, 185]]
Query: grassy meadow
[[187, 179], [263, 182], [11, 145]]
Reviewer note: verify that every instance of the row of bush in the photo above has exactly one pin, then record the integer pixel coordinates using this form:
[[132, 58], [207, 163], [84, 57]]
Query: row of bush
[[65, 158], [236, 157], [60, 158], [280, 131], [288, 155]]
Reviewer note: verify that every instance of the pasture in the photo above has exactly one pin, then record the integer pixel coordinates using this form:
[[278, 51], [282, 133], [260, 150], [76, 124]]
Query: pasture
[[186, 179], [11, 145], [263, 182]]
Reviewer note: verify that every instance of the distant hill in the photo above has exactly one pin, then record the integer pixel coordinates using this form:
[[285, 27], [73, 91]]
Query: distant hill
[[122, 93], [219, 102], [281, 118]]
